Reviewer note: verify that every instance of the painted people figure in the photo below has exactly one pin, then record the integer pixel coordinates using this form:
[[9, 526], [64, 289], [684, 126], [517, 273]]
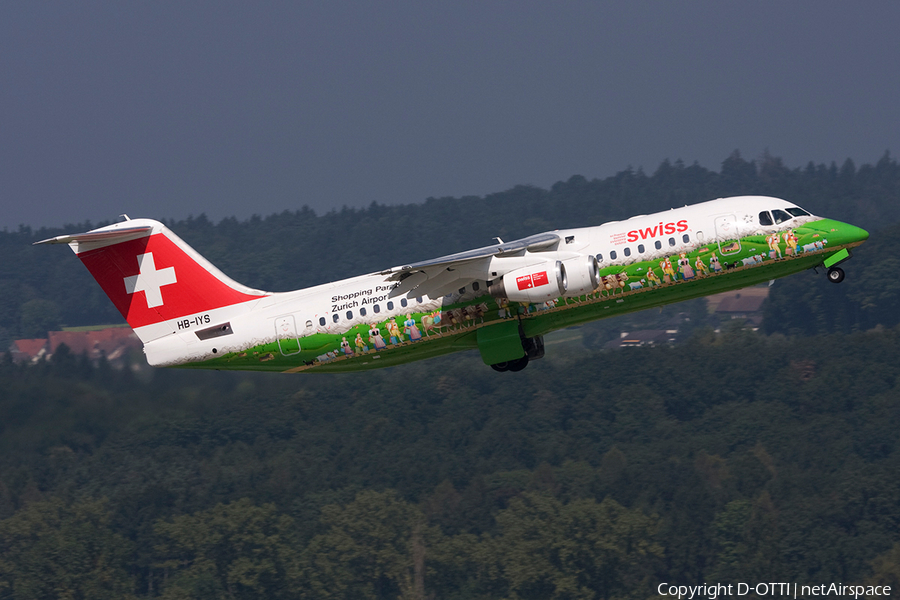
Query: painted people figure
[[774, 246], [684, 266], [375, 338], [791, 241], [394, 332], [652, 277], [668, 271], [409, 327], [345, 347], [701, 267], [714, 263], [360, 344]]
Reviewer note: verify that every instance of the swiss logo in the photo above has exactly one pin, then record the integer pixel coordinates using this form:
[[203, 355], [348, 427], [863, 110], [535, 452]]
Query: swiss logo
[[150, 280], [526, 282]]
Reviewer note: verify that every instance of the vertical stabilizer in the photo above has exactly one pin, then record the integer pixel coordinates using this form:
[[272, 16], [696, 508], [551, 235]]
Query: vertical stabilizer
[[153, 277]]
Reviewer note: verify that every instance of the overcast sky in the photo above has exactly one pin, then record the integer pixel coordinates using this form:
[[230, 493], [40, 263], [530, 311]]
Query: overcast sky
[[165, 109]]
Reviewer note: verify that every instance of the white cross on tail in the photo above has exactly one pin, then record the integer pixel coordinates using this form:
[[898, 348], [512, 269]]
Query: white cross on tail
[[149, 280]]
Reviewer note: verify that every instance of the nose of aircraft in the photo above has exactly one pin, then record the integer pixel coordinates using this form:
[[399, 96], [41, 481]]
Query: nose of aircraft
[[840, 233], [852, 233]]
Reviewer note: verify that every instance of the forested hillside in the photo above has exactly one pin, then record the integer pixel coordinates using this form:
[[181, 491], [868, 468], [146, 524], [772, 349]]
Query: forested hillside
[[729, 458], [299, 248], [733, 456]]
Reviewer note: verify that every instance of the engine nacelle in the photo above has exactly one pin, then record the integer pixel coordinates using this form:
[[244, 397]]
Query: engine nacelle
[[583, 275], [537, 283]]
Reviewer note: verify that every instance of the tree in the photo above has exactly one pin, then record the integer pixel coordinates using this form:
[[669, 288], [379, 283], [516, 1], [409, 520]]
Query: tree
[[50, 550], [234, 550], [375, 547], [37, 317], [583, 549]]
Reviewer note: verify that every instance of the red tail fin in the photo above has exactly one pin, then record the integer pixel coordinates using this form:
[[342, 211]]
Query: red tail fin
[[152, 276]]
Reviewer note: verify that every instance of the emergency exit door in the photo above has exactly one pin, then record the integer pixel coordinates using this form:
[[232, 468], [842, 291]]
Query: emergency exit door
[[286, 333]]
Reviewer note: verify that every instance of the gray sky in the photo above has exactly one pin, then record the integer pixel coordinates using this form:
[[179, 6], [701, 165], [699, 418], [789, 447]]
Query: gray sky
[[165, 109]]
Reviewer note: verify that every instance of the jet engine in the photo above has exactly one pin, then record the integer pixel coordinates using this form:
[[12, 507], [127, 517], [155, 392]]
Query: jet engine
[[537, 283], [583, 275]]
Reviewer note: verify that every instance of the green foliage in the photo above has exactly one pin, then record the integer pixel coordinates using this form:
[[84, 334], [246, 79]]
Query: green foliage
[[374, 547], [58, 550], [38, 317], [583, 549], [886, 569], [735, 456], [234, 550]]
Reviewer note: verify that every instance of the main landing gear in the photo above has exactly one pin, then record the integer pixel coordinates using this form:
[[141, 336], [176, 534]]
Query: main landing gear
[[534, 349], [513, 365], [835, 275]]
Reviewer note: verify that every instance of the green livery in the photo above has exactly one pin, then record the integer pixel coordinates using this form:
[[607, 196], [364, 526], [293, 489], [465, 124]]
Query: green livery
[[709, 269]]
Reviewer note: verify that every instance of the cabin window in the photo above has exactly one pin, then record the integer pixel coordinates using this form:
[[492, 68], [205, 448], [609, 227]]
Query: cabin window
[[765, 218], [322, 321], [671, 241], [612, 255], [335, 317], [462, 290], [376, 308], [362, 311], [308, 324], [641, 248], [686, 238], [781, 216], [627, 251], [419, 299], [403, 302], [475, 286], [599, 258], [390, 305], [658, 244], [349, 315], [798, 212]]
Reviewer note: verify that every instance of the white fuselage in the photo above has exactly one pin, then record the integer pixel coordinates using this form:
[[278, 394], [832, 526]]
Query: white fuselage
[[335, 308]]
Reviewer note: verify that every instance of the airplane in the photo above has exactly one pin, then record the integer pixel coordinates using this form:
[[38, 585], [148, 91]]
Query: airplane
[[500, 299]]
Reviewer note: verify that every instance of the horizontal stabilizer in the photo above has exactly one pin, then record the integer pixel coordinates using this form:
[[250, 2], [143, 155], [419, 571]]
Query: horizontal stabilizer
[[99, 236]]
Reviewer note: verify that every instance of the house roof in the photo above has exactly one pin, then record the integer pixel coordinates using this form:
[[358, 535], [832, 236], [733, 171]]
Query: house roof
[[101, 340], [746, 300], [741, 304], [28, 348]]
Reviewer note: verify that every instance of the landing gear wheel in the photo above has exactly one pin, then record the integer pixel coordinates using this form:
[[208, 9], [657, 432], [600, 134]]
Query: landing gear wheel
[[501, 367], [835, 274], [519, 364]]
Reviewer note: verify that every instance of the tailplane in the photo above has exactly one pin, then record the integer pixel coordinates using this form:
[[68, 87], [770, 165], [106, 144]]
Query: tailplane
[[154, 278]]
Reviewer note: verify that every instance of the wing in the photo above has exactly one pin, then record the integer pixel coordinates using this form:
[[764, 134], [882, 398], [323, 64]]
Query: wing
[[440, 276]]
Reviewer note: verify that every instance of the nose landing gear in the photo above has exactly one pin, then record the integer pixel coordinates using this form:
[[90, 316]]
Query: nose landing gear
[[835, 275]]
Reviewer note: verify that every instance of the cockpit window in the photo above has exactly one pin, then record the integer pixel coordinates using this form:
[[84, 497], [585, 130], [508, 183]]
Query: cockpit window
[[798, 212], [781, 216], [765, 218]]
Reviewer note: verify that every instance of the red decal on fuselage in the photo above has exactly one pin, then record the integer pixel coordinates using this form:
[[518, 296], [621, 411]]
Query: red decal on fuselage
[[656, 231]]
